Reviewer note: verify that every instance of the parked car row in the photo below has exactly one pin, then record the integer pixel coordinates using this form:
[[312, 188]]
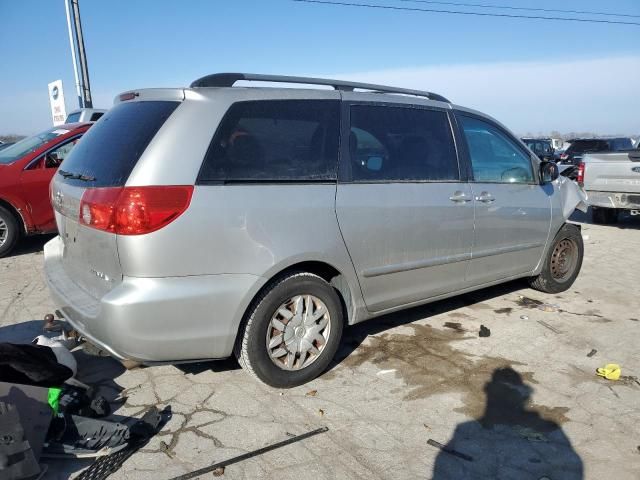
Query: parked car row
[[290, 214], [581, 146], [607, 168]]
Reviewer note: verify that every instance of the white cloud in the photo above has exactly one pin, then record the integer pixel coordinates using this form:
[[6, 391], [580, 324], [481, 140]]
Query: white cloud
[[600, 95]]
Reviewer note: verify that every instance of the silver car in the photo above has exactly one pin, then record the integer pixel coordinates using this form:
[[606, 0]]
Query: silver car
[[214, 220]]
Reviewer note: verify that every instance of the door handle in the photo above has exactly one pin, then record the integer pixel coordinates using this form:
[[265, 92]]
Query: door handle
[[459, 197], [485, 197]]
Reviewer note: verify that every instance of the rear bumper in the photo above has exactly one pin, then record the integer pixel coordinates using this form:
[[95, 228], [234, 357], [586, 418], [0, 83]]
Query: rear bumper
[[614, 200], [155, 319]]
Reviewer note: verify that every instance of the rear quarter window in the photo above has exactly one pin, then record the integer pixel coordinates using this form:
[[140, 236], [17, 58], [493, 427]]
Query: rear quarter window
[[111, 148], [273, 141], [621, 144]]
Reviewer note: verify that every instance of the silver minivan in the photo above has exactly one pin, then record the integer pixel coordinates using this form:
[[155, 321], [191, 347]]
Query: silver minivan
[[195, 223]]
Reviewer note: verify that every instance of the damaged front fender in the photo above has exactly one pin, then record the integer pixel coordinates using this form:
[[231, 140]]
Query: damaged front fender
[[573, 196]]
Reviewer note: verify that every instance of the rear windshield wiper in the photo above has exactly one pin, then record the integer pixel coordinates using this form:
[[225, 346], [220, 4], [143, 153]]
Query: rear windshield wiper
[[77, 176]]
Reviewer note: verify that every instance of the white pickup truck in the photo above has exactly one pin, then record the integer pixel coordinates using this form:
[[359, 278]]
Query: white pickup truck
[[612, 183]]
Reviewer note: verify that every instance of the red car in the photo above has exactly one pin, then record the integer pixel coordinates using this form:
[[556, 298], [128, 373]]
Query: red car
[[26, 169]]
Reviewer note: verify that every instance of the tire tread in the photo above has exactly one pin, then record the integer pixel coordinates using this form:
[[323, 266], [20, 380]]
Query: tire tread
[[240, 348]]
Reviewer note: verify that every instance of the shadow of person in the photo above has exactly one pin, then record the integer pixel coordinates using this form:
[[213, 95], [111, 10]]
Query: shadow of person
[[510, 441]]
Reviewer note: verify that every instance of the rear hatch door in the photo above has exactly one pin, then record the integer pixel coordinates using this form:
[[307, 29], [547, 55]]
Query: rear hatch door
[[103, 159]]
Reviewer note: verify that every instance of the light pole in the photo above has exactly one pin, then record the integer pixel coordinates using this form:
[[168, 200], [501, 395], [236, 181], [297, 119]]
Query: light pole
[[76, 42]]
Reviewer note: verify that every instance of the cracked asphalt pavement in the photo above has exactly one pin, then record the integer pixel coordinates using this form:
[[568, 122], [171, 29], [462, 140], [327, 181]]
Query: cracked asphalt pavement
[[522, 403]]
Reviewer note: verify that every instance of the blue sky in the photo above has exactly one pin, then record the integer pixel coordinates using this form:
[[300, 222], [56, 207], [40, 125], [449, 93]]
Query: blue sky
[[534, 76]]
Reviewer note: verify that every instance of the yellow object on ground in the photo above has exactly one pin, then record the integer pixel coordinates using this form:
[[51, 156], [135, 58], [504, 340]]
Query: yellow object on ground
[[611, 371]]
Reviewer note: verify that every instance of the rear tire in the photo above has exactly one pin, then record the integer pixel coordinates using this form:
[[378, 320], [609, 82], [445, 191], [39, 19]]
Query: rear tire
[[282, 343], [562, 263], [603, 216], [9, 231]]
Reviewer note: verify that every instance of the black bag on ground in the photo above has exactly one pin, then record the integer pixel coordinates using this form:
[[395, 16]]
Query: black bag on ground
[[31, 365]]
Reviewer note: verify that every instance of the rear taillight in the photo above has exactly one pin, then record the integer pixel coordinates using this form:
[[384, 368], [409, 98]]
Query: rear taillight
[[133, 210], [580, 177]]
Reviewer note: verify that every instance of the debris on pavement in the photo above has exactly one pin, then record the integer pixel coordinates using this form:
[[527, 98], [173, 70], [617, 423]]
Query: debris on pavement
[[548, 307], [611, 371], [321, 412], [140, 433], [454, 326], [524, 317], [218, 472], [384, 372], [450, 451], [532, 303], [73, 436], [528, 302], [546, 325], [35, 365], [164, 447], [592, 352], [311, 393], [484, 331], [245, 456]]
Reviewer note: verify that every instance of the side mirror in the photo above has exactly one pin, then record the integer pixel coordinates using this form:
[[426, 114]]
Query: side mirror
[[548, 172]]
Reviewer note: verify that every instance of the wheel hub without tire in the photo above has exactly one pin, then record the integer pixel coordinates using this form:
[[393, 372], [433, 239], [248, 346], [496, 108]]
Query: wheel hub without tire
[[564, 259], [298, 332], [4, 232]]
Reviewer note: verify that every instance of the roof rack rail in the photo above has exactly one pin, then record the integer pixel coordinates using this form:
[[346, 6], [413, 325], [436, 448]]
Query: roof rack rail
[[229, 79]]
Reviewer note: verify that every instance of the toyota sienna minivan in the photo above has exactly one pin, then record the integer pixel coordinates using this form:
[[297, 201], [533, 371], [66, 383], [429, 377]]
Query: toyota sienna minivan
[[196, 223]]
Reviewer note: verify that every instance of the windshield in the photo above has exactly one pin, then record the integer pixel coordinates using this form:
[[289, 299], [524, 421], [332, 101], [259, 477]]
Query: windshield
[[28, 145]]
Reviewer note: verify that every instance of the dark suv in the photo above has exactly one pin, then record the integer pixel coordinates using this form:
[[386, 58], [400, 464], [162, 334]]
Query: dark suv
[[573, 154], [542, 147]]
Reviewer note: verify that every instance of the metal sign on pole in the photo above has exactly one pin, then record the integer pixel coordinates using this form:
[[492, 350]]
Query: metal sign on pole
[[56, 99]]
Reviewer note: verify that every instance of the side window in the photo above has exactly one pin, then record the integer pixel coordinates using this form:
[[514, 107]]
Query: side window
[[73, 117], [96, 116], [288, 140], [401, 144], [495, 157], [54, 158]]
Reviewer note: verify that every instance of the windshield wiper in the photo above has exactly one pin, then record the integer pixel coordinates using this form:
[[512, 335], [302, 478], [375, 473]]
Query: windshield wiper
[[76, 176]]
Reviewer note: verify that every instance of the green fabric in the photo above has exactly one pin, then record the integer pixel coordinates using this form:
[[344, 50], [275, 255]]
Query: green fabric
[[54, 398]]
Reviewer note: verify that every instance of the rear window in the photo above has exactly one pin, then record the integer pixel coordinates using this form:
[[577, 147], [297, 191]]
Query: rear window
[[584, 146], [111, 148], [96, 116], [275, 140]]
